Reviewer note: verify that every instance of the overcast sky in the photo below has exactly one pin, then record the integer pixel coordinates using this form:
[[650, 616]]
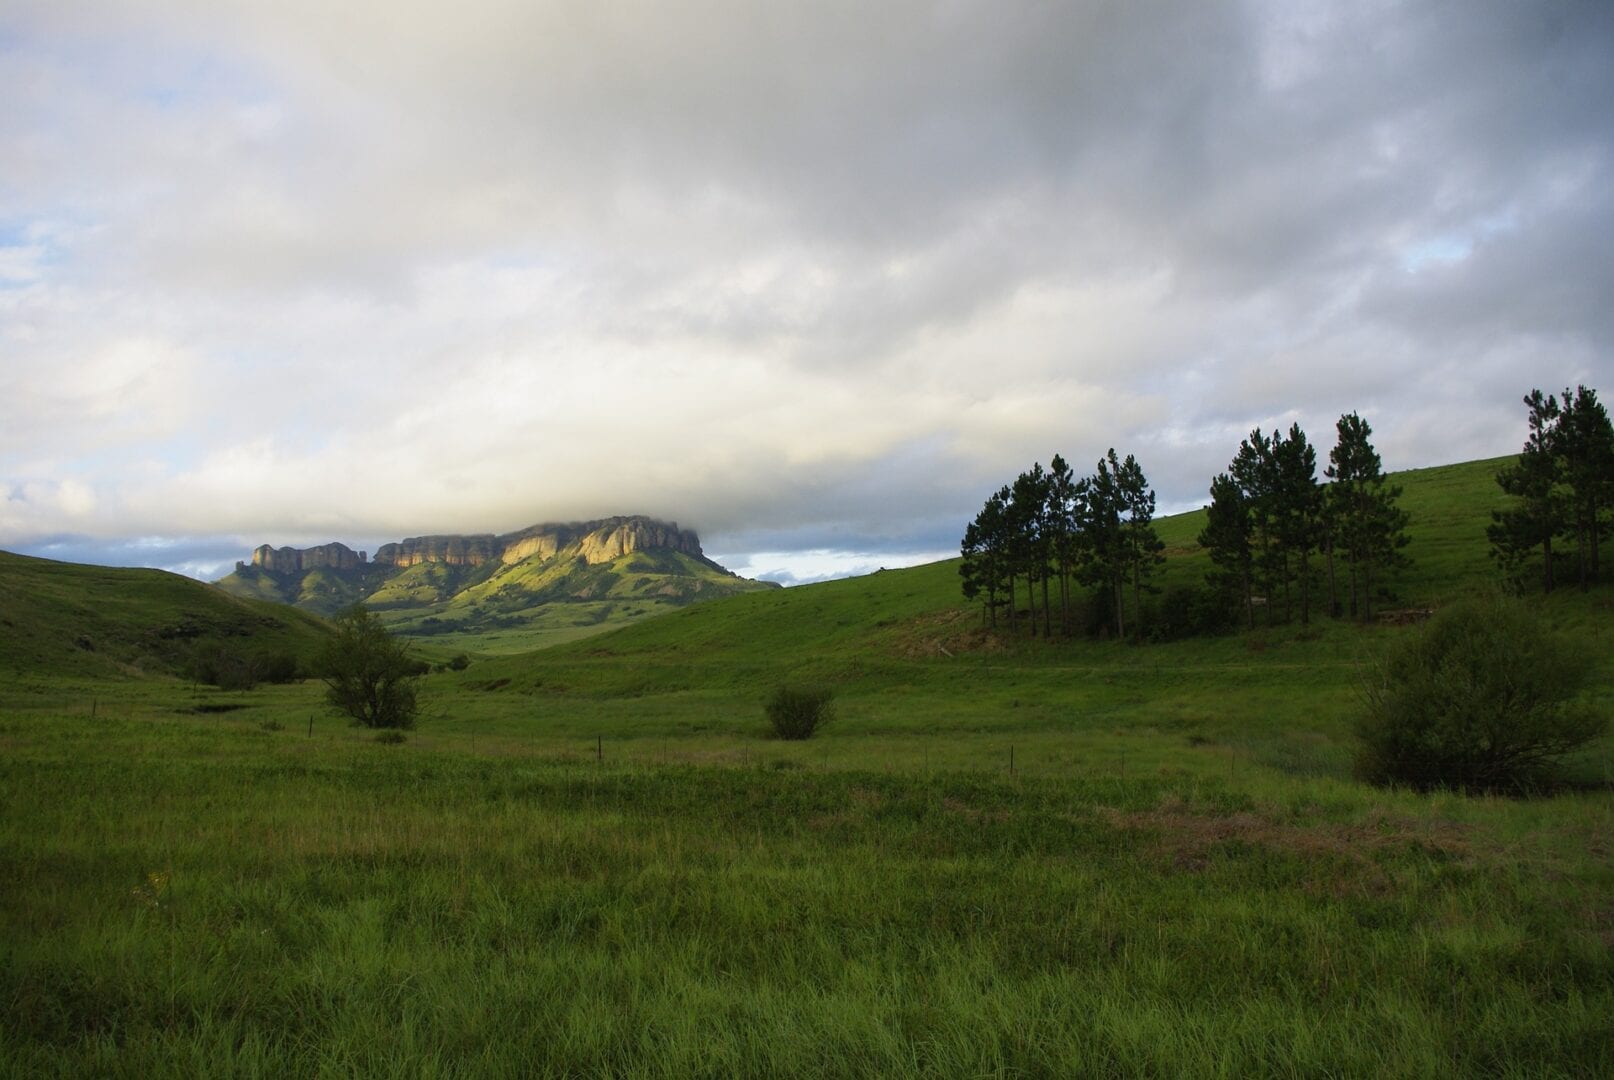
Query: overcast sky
[[810, 278]]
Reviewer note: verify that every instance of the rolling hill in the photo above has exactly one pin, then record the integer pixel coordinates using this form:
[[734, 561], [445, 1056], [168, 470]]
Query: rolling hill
[[94, 621]]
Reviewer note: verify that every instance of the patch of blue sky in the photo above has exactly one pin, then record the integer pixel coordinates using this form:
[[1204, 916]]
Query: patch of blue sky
[[1450, 248]]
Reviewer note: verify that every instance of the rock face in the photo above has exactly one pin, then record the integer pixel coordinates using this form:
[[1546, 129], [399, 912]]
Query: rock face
[[452, 550], [596, 541], [290, 560]]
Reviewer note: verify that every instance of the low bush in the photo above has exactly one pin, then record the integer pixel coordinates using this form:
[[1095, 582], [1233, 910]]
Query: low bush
[[797, 712], [1484, 697]]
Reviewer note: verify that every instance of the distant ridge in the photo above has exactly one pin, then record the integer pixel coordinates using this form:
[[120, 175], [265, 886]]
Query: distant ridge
[[523, 587], [598, 541]]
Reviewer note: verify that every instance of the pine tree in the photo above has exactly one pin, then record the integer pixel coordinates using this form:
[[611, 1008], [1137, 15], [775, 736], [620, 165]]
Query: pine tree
[[1227, 536], [1584, 446], [1255, 469], [1101, 525], [1141, 546], [1539, 513], [1369, 528], [1066, 549], [1297, 510]]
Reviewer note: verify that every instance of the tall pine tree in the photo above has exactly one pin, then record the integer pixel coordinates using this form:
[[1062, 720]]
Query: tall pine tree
[[1366, 527], [1537, 516]]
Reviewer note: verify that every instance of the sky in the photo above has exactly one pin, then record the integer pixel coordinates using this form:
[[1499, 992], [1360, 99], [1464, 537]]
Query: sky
[[813, 279]]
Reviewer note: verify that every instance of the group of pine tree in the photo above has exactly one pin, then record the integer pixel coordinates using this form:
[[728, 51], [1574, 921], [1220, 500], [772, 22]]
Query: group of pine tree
[[1282, 543], [1276, 536], [1563, 489]]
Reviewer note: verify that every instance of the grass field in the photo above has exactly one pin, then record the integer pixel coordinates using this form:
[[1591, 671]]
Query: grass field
[[1001, 858]]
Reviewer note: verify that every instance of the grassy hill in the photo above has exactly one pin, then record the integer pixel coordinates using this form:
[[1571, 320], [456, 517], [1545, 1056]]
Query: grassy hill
[[1003, 857], [92, 622]]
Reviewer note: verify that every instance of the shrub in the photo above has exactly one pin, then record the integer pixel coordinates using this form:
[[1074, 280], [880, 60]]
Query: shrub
[[1482, 698], [796, 712], [368, 673], [459, 663]]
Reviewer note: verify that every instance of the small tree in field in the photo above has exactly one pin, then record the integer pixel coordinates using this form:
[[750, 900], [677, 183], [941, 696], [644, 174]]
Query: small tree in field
[[1483, 698], [368, 673], [796, 713]]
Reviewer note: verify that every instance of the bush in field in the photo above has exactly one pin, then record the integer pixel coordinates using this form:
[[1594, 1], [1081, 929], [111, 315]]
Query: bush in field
[[796, 713], [368, 673], [232, 666], [1482, 698]]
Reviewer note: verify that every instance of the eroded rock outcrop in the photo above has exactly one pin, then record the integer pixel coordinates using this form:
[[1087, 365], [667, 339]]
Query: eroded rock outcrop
[[594, 541], [290, 560], [451, 550]]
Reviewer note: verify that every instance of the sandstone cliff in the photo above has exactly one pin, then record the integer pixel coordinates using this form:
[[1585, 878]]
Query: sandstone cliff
[[596, 542], [290, 560]]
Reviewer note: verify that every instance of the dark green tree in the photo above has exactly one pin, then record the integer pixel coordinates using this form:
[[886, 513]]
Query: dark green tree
[[1105, 543], [1141, 546], [1362, 521], [985, 565], [369, 674], [1296, 512], [1583, 442], [1538, 515], [1255, 469], [1036, 538], [1063, 494], [1227, 536], [1484, 697]]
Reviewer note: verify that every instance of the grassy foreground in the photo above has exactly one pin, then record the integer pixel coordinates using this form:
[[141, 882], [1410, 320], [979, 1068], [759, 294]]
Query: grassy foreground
[[209, 895]]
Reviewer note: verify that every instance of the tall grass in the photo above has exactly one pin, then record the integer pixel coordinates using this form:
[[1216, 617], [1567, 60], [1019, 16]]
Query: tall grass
[[331, 905]]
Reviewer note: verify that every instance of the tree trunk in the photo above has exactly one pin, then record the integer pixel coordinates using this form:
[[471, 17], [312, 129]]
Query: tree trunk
[[1546, 562], [1047, 612], [1305, 590], [1013, 600], [1120, 613], [1367, 590], [1137, 596], [1595, 571], [1333, 590]]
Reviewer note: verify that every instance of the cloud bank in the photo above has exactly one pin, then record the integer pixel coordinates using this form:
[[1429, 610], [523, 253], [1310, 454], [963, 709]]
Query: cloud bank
[[804, 277]]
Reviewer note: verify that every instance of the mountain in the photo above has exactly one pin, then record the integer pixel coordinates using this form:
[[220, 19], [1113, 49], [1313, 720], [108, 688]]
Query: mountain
[[92, 621], [500, 593]]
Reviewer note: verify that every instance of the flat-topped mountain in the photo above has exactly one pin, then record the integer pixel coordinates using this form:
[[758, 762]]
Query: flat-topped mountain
[[515, 590]]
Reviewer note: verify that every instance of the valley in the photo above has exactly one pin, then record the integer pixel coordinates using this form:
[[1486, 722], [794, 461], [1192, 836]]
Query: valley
[[1004, 855]]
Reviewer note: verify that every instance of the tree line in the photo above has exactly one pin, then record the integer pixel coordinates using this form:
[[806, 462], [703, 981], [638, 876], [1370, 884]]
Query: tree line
[[1271, 523], [1277, 538], [1563, 489], [1053, 533]]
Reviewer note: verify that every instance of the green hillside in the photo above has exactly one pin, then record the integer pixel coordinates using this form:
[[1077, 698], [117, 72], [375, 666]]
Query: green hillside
[[93, 621], [911, 613], [1002, 857]]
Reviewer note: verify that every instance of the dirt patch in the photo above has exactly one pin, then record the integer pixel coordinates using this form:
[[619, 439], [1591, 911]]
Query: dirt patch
[[945, 634], [1185, 841]]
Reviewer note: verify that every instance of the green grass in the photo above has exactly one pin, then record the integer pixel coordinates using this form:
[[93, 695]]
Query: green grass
[[72, 620], [1003, 857], [207, 895]]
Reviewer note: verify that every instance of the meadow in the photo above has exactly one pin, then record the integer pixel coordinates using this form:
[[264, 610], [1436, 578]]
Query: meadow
[[1003, 857]]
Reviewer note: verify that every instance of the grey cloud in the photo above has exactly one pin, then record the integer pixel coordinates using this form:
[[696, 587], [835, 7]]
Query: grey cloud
[[818, 275]]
